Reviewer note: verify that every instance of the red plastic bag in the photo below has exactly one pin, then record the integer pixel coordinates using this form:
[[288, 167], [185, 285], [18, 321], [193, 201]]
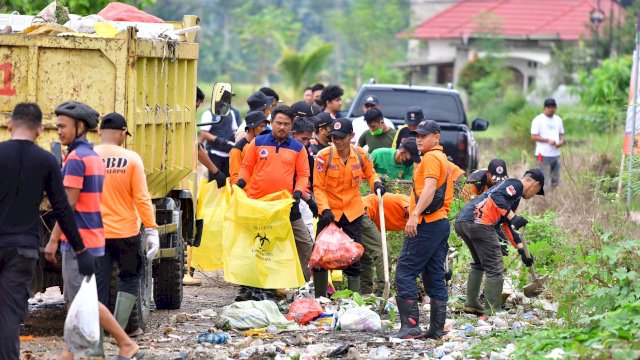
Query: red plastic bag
[[117, 11], [303, 311], [334, 250]]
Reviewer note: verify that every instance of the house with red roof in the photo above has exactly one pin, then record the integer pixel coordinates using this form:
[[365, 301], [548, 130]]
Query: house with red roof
[[444, 42]]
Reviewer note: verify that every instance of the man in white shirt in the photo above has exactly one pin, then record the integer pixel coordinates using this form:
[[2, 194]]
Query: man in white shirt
[[359, 125], [548, 133]]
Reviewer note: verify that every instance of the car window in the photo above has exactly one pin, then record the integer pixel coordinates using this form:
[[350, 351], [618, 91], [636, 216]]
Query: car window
[[394, 104]]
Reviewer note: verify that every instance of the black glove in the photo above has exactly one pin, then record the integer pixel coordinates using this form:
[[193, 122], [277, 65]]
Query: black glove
[[378, 185], [528, 261], [313, 206], [220, 179], [518, 222], [504, 249], [86, 263], [223, 144], [296, 196], [241, 183], [327, 217]]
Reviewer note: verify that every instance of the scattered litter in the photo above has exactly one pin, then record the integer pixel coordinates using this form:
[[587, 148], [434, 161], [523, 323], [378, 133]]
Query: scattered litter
[[180, 318], [379, 353], [259, 333], [251, 315], [169, 330], [556, 353], [340, 351], [218, 337]]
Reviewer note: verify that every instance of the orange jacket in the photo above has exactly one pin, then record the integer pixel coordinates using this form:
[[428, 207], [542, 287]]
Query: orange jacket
[[434, 165], [337, 185], [395, 215], [125, 197], [235, 160], [270, 167]]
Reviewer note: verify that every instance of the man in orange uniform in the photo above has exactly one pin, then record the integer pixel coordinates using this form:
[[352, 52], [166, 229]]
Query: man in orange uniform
[[339, 170], [425, 248], [396, 214], [256, 122], [125, 200], [275, 162]]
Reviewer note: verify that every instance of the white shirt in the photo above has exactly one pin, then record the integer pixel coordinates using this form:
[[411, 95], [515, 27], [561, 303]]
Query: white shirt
[[548, 128], [207, 117], [360, 126]]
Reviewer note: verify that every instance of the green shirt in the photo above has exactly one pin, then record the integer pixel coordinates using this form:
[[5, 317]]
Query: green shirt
[[384, 140], [384, 163]]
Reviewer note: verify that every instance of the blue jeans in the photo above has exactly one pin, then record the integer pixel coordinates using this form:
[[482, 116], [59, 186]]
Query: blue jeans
[[425, 252]]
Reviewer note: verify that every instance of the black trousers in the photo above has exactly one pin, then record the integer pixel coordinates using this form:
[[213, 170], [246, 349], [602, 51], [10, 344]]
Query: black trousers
[[127, 254], [17, 267], [221, 162], [354, 230]]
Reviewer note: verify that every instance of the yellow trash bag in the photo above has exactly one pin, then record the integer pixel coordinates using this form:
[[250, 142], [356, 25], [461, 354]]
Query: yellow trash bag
[[260, 250], [211, 207]]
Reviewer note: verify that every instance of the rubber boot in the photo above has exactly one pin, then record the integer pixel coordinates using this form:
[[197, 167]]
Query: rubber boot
[[124, 305], [98, 351], [409, 319], [188, 279], [437, 319], [472, 305], [493, 295], [320, 283], [354, 283]]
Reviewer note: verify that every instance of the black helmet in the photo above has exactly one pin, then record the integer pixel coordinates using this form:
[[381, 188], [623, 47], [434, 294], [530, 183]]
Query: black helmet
[[79, 111]]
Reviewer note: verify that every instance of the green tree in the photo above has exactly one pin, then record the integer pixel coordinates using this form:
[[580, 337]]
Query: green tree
[[80, 7], [299, 68]]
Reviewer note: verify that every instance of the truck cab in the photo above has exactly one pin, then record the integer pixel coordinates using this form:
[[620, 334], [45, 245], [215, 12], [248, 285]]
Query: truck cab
[[439, 104]]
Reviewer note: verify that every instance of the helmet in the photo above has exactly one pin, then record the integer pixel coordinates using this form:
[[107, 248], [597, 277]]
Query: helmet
[[79, 111]]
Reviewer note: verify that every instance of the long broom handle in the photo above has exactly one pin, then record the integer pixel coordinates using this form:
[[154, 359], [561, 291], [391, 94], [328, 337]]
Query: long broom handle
[[385, 255]]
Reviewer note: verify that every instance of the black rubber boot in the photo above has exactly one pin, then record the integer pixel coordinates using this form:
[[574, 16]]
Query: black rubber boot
[[320, 283], [354, 283], [244, 293], [409, 319], [437, 319]]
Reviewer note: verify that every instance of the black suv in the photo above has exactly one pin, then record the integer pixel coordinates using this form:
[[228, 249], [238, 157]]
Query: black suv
[[439, 104]]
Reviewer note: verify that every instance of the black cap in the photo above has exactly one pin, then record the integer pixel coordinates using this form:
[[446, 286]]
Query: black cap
[[255, 118], [537, 175], [373, 114], [114, 121], [371, 100], [409, 144], [414, 115], [259, 101], [324, 119], [498, 170], [341, 127], [427, 127], [302, 109], [550, 102]]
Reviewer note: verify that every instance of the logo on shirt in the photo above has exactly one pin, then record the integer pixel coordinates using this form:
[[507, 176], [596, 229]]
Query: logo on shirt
[[263, 153], [511, 190], [319, 164], [115, 165]]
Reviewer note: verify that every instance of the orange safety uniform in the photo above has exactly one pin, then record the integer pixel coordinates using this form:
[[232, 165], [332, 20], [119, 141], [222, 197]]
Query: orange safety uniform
[[434, 165], [395, 213], [336, 185], [270, 167], [125, 197], [236, 154]]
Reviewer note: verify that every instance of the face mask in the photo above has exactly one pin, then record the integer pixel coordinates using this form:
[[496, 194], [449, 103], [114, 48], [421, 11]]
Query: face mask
[[377, 132], [407, 162]]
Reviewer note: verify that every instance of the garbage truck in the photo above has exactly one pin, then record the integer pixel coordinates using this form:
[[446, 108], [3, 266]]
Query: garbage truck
[[152, 82]]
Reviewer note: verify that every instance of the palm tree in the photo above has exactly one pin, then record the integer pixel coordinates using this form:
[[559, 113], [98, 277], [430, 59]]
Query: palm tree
[[301, 68]]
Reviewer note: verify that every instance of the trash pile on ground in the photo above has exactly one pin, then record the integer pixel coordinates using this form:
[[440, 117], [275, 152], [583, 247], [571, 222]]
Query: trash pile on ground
[[115, 18], [346, 326]]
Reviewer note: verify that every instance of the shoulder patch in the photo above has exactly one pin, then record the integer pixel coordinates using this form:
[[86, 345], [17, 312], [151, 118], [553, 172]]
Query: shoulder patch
[[511, 190], [320, 163]]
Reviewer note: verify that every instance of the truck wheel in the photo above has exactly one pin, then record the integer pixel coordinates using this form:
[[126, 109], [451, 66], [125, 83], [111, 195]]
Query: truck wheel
[[168, 273], [140, 312]]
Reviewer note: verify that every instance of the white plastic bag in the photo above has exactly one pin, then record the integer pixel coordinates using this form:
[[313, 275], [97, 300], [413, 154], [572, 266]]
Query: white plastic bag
[[82, 325], [359, 318]]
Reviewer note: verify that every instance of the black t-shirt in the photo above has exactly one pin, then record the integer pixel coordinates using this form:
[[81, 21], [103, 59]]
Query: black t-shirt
[[26, 171]]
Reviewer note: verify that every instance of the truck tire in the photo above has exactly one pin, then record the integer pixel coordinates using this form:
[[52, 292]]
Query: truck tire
[[168, 273], [140, 313]]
